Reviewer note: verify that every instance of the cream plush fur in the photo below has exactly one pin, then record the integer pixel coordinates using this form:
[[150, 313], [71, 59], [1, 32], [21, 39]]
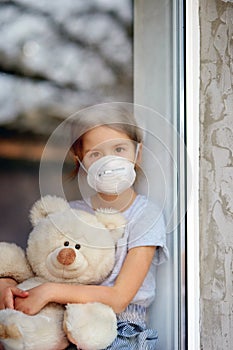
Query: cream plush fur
[[68, 246]]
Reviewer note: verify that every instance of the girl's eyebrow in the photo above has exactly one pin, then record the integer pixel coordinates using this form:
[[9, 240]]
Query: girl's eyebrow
[[120, 143]]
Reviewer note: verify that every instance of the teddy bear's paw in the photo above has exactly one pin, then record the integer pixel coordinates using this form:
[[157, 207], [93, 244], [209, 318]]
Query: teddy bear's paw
[[91, 326], [10, 331]]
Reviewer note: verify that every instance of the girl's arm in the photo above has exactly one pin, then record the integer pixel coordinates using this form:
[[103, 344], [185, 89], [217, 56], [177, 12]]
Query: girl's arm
[[131, 277]]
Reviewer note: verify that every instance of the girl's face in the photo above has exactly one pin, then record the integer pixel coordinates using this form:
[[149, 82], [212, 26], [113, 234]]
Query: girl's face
[[103, 141]]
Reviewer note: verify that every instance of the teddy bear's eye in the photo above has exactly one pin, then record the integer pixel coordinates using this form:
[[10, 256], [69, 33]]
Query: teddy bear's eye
[[77, 246], [66, 243]]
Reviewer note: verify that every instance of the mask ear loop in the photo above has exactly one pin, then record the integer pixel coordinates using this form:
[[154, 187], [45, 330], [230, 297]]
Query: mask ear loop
[[136, 153], [81, 164]]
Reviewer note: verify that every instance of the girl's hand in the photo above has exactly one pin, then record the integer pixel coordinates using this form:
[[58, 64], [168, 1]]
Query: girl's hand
[[8, 291], [37, 298]]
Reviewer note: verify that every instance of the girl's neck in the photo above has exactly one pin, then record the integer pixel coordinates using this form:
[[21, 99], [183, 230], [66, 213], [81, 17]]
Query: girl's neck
[[119, 202]]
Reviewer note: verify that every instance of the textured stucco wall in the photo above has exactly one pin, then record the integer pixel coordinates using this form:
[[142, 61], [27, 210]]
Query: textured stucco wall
[[216, 177]]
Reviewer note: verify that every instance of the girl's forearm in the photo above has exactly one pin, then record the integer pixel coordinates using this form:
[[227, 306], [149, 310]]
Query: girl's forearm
[[65, 293], [127, 284]]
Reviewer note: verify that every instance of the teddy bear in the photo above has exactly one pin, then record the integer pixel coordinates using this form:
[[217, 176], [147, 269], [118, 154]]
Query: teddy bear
[[67, 246]]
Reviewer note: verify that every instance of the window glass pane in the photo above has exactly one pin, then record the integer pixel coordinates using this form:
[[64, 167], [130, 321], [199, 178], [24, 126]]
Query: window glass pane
[[57, 57]]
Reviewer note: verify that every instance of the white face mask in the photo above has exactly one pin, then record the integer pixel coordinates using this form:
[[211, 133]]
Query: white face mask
[[111, 175]]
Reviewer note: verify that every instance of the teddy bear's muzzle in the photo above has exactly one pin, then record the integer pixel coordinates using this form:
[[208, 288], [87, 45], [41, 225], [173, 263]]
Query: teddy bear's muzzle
[[66, 256]]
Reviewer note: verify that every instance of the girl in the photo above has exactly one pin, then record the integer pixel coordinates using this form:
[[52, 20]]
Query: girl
[[107, 153]]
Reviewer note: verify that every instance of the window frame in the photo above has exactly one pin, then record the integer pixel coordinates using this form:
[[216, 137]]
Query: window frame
[[186, 81]]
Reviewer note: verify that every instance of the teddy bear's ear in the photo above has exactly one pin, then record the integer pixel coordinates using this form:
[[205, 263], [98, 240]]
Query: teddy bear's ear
[[45, 206], [113, 221]]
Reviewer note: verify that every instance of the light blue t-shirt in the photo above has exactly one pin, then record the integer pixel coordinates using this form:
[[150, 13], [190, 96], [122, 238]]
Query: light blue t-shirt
[[145, 227]]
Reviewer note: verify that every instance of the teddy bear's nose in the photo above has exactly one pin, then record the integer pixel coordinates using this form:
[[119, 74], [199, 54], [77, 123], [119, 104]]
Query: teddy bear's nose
[[66, 256]]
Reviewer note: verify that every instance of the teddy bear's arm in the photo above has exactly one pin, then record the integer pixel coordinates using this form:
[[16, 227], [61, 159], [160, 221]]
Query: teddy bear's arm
[[13, 262]]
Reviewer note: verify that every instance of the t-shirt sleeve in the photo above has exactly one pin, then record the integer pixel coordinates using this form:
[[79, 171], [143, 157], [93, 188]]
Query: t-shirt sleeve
[[148, 229]]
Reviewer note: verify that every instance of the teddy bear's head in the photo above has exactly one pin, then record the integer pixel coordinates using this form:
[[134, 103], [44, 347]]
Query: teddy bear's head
[[69, 245]]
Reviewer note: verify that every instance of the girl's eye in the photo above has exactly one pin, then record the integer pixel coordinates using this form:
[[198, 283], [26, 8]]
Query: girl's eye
[[77, 246], [66, 243], [94, 155], [120, 149]]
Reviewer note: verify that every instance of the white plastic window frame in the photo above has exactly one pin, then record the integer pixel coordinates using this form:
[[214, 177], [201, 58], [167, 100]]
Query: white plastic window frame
[[189, 125]]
